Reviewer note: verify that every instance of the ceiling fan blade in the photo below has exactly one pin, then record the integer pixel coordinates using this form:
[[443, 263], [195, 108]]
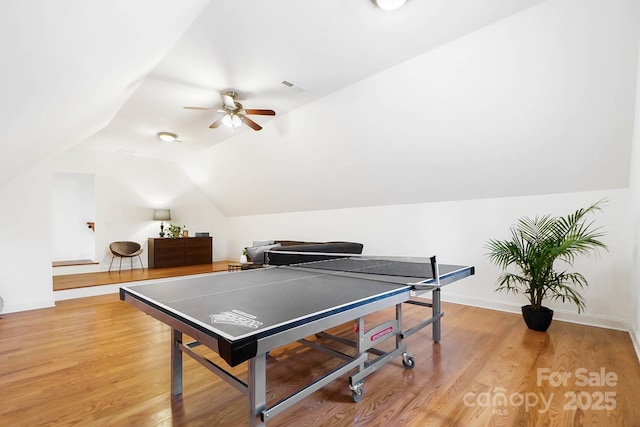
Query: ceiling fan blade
[[260, 112], [228, 101], [215, 124], [247, 121]]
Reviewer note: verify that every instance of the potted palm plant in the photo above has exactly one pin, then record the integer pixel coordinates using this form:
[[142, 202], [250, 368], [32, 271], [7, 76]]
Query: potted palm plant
[[536, 250]]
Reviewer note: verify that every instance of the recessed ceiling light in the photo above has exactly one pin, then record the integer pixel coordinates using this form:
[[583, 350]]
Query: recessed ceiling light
[[167, 136], [390, 4]]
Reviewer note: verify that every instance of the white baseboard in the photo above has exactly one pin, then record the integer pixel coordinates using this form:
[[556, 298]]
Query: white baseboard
[[91, 291], [15, 308], [78, 269], [562, 315], [635, 338]]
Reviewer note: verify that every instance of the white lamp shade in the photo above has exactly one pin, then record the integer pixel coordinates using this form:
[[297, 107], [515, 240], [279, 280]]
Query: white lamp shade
[[162, 214]]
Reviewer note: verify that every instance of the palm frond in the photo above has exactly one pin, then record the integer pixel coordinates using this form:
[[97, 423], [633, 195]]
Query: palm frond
[[535, 245]]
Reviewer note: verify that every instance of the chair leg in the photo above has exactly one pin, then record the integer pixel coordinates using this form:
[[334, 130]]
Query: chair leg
[[112, 257], [120, 269], [141, 265]]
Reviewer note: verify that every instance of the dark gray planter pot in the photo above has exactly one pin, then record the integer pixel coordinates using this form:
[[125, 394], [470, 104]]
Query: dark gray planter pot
[[538, 320]]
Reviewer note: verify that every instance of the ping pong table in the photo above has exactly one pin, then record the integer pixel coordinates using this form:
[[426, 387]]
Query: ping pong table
[[242, 316]]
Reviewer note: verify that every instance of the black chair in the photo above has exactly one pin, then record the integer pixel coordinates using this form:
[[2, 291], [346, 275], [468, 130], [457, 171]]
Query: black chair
[[125, 250]]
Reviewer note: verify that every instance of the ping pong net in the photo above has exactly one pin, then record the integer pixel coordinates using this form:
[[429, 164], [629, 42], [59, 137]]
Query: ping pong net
[[397, 269]]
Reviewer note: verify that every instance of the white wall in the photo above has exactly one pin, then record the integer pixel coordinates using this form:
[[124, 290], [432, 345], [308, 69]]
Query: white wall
[[73, 205], [25, 241], [129, 188], [634, 235], [456, 232]]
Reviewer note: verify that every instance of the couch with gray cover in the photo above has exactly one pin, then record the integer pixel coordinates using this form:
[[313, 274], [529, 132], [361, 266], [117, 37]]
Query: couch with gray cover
[[258, 256]]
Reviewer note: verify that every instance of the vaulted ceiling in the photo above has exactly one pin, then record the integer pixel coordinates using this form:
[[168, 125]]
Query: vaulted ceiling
[[439, 100], [69, 66]]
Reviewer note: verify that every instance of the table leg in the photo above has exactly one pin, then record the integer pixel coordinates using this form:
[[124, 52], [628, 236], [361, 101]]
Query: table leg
[[436, 310], [176, 363], [360, 348], [399, 320], [257, 378]]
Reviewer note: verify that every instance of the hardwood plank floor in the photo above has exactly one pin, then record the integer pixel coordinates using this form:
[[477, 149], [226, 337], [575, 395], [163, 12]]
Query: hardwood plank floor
[[82, 280], [100, 362]]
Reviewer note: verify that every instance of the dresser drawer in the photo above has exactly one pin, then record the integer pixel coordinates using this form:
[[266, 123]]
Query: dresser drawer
[[179, 252]]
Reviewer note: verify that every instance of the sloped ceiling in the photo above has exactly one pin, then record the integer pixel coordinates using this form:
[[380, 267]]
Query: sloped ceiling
[[252, 46], [439, 100], [69, 65], [539, 103]]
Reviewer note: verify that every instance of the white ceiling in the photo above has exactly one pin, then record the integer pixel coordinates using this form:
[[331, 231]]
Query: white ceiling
[[541, 102], [251, 46], [69, 65], [439, 100]]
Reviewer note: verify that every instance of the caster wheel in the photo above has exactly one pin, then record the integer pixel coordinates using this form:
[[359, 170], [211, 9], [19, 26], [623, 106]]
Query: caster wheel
[[357, 393], [409, 362]]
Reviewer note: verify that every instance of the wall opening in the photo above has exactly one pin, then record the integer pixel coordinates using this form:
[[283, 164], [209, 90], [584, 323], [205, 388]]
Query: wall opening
[[73, 216]]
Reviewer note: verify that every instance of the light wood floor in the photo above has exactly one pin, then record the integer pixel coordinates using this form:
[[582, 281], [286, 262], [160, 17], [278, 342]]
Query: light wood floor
[[82, 280], [99, 362]]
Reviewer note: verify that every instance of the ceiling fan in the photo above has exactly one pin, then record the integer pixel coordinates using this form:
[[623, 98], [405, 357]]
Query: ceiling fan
[[235, 113]]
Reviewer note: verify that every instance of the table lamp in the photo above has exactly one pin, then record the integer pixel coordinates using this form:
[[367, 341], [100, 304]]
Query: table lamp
[[162, 215]]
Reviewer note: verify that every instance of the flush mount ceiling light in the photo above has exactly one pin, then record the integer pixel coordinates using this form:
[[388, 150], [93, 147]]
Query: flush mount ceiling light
[[390, 4], [167, 136]]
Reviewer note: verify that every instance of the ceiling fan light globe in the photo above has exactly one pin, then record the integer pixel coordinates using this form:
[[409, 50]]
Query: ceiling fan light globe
[[390, 4], [231, 121]]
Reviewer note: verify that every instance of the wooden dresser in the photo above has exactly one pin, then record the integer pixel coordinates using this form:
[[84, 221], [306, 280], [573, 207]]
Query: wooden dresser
[[178, 252]]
